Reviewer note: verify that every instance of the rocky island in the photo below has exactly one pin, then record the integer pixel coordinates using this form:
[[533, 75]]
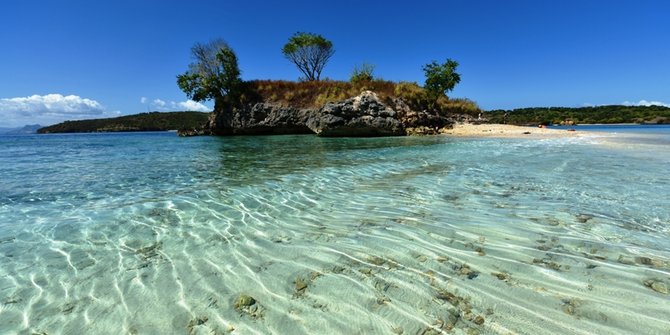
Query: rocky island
[[363, 115], [364, 106]]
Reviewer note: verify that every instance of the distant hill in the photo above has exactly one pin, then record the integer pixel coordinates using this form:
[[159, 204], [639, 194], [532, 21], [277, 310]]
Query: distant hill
[[25, 130], [597, 114], [154, 121]]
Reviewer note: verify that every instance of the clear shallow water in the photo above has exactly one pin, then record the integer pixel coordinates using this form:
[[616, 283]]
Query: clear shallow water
[[150, 233]]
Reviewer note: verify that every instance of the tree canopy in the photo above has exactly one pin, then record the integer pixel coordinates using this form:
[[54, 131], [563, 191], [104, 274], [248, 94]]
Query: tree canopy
[[441, 78], [309, 52], [214, 74]]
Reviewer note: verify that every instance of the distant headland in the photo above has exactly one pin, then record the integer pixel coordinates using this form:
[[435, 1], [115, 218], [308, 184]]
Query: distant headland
[[153, 121]]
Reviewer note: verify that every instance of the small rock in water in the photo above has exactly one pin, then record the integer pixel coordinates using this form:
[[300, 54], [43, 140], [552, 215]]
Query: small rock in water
[[626, 260], [300, 285], [657, 263], [479, 320], [570, 306], [644, 260], [501, 275], [442, 259], [656, 285], [376, 260], [244, 301], [583, 218], [365, 271], [198, 321], [249, 305]]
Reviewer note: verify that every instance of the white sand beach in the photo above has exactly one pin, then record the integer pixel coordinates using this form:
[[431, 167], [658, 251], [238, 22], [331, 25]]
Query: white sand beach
[[509, 131]]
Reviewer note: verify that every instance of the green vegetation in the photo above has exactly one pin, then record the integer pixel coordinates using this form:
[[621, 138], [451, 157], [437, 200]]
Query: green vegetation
[[214, 75], [441, 78], [312, 94], [154, 121], [362, 74], [310, 53], [598, 114]]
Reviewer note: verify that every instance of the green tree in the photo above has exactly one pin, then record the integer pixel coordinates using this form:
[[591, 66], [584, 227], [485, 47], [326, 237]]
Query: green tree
[[214, 74], [362, 74], [441, 78], [309, 52]]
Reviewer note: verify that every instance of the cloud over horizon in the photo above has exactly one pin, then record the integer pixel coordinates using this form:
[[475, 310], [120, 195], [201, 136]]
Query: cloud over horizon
[[188, 105], [49, 109], [645, 103]]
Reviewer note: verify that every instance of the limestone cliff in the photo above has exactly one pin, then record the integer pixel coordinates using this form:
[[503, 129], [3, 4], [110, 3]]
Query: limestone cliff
[[363, 115]]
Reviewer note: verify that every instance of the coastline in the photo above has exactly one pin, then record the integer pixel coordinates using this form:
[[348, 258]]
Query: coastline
[[509, 131]]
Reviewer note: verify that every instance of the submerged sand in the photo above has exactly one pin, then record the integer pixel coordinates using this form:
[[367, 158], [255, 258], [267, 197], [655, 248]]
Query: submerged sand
[[510, 131]]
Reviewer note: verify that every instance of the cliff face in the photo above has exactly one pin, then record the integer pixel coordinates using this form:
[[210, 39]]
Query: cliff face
[[363, 115], [260, 119]]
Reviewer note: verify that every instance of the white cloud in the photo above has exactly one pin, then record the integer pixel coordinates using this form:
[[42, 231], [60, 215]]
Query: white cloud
[[49, 109], [164, 106], [158, 103], [190, 105], [646, 103]]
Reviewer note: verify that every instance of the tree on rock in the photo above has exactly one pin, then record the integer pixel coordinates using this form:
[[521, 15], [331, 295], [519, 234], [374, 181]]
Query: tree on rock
[[309, 52], [214, 74], [441, 78]]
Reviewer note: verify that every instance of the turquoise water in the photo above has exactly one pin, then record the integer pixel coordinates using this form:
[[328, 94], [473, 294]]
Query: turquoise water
[[149, 233]]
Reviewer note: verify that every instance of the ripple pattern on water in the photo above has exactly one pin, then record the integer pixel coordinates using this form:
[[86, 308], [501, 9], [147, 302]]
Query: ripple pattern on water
[[149, 233]]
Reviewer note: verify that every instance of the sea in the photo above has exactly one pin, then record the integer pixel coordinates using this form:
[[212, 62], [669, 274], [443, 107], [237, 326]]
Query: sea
[[150, 233]]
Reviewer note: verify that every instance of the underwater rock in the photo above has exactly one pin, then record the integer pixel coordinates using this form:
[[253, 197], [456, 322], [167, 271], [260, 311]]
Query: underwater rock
[[569, 306], [300, 286], [644, 260], [442, 259], [195, 323], [583, 218], [626, 260], [547, 263], [365, 271], [376, 260], [657, 263], [248, 305], [465, 270], [656, 285], [149, 251], [501, 275], [244, 301], [479, 320]]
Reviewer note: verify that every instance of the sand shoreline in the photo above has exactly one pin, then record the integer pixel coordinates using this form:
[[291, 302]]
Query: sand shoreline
[[509, 131]]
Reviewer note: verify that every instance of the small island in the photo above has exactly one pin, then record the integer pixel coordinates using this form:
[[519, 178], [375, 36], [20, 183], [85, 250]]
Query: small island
[[363, 106], [153, 121]]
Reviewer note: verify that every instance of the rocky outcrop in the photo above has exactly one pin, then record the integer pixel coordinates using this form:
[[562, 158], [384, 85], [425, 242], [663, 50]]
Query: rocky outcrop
[[260, 119], [363, 115]]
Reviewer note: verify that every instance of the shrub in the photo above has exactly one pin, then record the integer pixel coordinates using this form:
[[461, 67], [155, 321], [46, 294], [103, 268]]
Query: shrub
[[362, 74]]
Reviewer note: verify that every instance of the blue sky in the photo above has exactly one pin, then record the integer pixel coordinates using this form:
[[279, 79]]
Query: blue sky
[[83, 59]]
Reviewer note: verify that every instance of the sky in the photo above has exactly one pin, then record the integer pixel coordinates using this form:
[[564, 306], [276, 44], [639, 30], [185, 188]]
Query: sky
[[67, 60]]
